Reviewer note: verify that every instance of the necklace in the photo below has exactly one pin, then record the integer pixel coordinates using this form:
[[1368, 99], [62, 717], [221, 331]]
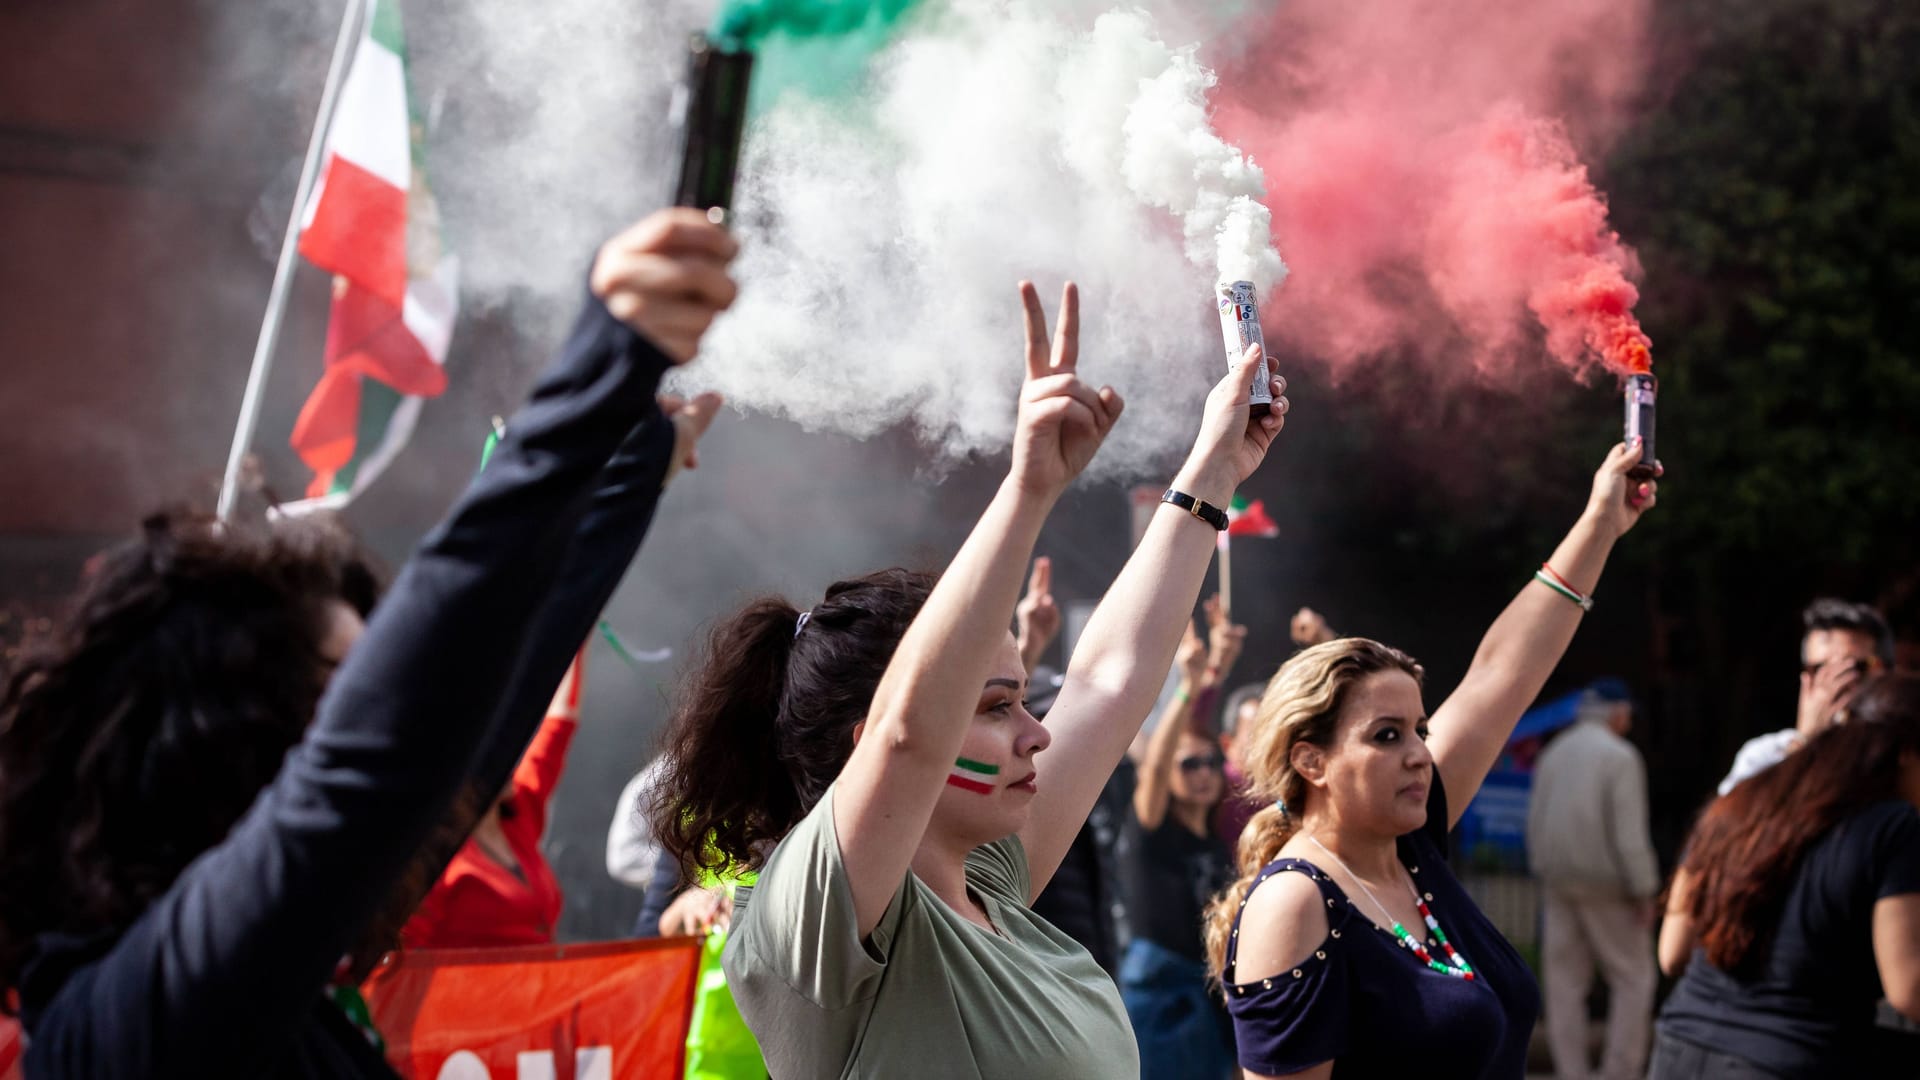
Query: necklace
[[1456, 964]]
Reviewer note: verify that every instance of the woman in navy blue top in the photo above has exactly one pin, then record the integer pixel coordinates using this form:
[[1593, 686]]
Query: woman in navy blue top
[[1312, 944]]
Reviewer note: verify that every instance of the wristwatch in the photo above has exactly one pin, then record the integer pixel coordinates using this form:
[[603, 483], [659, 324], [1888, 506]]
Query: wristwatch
[[1201, 509]]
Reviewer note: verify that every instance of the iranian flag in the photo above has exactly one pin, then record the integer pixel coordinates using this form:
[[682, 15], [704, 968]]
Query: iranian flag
[[372, 222], [975, 776], [1249, 519]]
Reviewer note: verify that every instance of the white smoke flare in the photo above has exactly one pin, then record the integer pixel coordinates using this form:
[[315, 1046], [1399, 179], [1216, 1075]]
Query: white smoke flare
[[1002, 141]]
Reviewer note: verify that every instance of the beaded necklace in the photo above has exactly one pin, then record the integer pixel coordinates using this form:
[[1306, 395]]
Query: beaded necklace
[[1456, 964]]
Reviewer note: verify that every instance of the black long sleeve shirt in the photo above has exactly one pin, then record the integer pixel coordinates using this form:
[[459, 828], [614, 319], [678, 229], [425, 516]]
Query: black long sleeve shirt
[[223, 975]]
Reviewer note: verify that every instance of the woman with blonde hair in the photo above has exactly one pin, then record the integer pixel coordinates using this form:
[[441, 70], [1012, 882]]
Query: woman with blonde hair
[[1310, 945]]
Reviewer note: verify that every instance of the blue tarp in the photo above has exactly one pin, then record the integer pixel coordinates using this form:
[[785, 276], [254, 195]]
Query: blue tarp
[[1493, 831], [1543, 720]]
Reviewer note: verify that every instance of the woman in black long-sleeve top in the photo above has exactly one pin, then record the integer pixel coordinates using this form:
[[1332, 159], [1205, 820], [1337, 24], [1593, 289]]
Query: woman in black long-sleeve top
[[176, 887]]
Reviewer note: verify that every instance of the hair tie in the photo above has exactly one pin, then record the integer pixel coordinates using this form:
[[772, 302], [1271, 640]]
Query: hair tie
[[1280, 805], [801, 623]]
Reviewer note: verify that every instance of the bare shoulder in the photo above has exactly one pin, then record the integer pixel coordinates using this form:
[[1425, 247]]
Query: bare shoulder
[[1284, 922]]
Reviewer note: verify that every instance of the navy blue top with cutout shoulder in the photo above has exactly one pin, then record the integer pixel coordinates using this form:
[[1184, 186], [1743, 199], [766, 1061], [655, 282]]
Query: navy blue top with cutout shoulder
[[1366, 1003]]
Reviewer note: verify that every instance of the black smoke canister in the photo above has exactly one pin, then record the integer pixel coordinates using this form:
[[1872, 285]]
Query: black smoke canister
[[1640, 393], [712, 115]]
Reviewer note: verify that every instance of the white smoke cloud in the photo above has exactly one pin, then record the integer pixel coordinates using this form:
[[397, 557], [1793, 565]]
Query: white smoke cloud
[[1003, 139], [556, 137], [1141, 115]]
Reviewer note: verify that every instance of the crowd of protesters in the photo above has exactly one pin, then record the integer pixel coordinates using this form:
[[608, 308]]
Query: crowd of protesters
[[237, 775]]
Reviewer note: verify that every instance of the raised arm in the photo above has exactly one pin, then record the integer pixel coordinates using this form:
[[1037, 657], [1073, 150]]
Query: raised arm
[[1153, 789], [541, 767], [1226, 640], [1037, 618], [1676, 928], [1522, 647], [1896, 950], [619, 511], [886, 793], [256, 926], [1119, 662]]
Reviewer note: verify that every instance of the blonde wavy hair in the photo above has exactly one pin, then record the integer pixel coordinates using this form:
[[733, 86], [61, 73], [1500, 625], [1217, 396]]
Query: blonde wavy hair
[[1302, 703]]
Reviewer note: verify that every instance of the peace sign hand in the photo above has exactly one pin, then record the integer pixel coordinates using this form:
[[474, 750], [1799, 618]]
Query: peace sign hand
[[1062, 420]]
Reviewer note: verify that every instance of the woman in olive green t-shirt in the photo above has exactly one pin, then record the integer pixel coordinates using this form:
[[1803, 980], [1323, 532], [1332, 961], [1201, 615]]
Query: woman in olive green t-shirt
[[872, 757]]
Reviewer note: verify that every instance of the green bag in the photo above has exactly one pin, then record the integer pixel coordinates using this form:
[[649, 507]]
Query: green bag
[[719, 1046]]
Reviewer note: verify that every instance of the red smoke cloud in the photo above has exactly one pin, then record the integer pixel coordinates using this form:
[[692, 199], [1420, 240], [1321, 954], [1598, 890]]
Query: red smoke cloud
[[1422, 172]]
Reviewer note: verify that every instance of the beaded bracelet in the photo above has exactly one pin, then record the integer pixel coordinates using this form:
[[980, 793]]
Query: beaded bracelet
[[1552, 580]]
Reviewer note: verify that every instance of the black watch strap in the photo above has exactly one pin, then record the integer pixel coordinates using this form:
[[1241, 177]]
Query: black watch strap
[[1205, 511]]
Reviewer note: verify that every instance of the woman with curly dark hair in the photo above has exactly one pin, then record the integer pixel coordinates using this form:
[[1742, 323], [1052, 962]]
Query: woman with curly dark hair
[[203, 806], [1797, 907]]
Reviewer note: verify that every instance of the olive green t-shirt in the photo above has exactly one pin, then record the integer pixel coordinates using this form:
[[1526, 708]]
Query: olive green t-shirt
[[929, 995]]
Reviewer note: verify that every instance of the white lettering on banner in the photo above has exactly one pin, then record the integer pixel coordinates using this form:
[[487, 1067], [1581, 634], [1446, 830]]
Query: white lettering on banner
[[593, 1063], [589, 1063], [464, 1065]]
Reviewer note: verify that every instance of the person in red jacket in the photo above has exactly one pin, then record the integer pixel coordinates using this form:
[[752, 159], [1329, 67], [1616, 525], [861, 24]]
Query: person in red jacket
[[499, 889]]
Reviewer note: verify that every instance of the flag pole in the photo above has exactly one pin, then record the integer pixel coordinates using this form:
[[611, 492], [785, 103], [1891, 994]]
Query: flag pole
[[1226, 575], [283, 270]]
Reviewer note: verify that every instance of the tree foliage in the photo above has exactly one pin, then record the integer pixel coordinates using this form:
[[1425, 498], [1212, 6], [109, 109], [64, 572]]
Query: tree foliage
[[1774, 201]]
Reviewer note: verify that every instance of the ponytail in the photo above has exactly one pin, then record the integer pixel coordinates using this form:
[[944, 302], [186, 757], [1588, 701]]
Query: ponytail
[[1266, 833], [764, 723], [724, 795]]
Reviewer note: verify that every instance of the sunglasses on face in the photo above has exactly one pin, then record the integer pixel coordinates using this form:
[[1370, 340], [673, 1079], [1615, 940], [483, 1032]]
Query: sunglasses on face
[[1202, 761], [1864, 665]]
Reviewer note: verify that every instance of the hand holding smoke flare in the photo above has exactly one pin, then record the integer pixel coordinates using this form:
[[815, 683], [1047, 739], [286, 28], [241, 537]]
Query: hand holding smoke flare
[[1597, 305], [1425, 164], [994, 141], [715, 114], [1640, 390], [1626, 349], [1157, 136], [719, 75]]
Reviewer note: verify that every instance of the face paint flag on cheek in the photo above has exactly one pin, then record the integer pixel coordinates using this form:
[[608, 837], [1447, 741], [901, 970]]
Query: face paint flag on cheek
[[974, 776]]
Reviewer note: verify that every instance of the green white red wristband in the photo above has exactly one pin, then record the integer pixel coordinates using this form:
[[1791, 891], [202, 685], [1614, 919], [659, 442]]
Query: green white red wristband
[[1547, 576]]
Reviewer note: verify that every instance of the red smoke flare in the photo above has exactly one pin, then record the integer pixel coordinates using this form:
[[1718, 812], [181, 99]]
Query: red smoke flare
[[1418, 192], [1548, 233]]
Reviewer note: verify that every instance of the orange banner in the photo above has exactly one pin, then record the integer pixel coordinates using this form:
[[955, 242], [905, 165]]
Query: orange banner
[[610, 1011]]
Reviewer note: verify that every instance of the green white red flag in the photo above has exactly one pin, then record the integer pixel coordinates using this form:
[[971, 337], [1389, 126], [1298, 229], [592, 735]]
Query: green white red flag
[[372, 222], [1249, 519]]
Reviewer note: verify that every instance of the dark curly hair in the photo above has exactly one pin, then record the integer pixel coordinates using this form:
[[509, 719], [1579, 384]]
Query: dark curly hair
[[765, 720], [138, 731]]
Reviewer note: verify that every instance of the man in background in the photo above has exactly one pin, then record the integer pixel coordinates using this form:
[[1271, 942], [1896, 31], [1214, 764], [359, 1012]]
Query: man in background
[[1588, 843], [1841, 644]]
